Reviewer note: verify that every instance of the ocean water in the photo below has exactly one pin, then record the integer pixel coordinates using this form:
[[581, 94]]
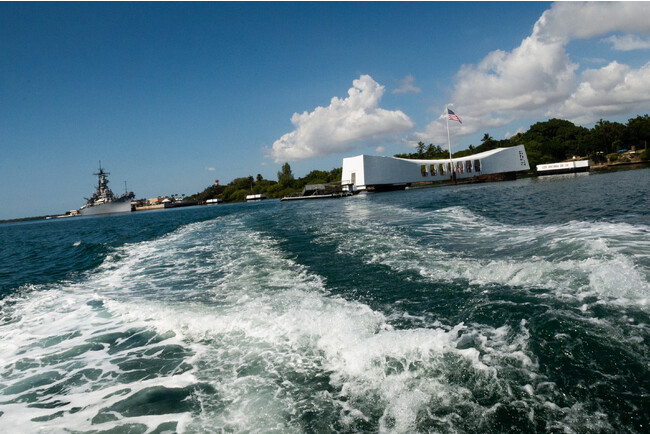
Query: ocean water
[[520, 306]]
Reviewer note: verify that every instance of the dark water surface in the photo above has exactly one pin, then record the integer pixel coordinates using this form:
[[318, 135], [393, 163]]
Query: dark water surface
[[519, 306]]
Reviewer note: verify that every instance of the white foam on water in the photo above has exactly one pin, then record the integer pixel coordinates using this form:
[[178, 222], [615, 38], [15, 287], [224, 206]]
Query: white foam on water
[[264, 332], [577, 259], [59, 322], [269, 333], [53, 346], [262, 355]]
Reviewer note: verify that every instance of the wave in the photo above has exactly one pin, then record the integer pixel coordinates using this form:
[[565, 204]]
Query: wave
[[214, 326], [578, 259]]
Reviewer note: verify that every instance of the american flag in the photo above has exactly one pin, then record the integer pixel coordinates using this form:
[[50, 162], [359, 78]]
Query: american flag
[[453, 116]]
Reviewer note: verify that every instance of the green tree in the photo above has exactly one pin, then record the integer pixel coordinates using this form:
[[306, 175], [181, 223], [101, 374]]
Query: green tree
[[285, 176], [604, 134], [535, 154], [420, 149], [637, 132], [335, 175], [486, 138], [554, 140], [487, 143]]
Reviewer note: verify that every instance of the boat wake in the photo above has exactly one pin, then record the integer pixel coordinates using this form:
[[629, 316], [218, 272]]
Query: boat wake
[[219, 326], [577, 259]]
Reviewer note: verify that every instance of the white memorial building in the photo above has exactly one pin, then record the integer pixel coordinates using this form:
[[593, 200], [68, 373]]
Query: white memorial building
[[366, 172]]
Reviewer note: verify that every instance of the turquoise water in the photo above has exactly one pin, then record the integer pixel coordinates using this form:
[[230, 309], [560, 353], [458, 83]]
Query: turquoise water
[[519, 306]]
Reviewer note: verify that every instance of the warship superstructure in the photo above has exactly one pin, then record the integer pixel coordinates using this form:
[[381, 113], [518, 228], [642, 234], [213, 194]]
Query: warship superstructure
[[103, 201]]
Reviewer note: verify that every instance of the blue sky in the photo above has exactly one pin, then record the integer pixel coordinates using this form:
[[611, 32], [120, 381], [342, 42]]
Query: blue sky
[[170, 96]]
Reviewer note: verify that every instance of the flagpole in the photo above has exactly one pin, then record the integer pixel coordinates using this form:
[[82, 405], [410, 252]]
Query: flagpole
[[451, 161]]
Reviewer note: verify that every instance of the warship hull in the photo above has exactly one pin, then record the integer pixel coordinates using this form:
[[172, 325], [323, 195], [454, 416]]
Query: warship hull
[[104, 201], [117, 206]]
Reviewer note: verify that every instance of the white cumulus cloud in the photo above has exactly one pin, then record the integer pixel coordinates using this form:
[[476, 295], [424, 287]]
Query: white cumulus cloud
[[533, 75], [342, 126], [583, 20], [406, 85], [628, 42], [611, 90], [436, 131], [539, 78]]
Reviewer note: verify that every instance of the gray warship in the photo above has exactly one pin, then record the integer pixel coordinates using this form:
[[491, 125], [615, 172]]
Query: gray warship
[[103, 201]]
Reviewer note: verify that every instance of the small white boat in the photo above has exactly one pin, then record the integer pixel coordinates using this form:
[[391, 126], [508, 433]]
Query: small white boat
[[255, 197]]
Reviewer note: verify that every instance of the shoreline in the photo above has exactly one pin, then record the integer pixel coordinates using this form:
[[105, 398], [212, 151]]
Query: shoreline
[[596, 168]]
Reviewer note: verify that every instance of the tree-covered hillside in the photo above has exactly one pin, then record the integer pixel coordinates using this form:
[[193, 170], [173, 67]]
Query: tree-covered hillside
[[286, 185], [546, 142], [557, 140]]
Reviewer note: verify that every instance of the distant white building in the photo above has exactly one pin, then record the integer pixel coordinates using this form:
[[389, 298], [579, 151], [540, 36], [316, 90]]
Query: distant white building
[[366, 172], [564, 167]]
